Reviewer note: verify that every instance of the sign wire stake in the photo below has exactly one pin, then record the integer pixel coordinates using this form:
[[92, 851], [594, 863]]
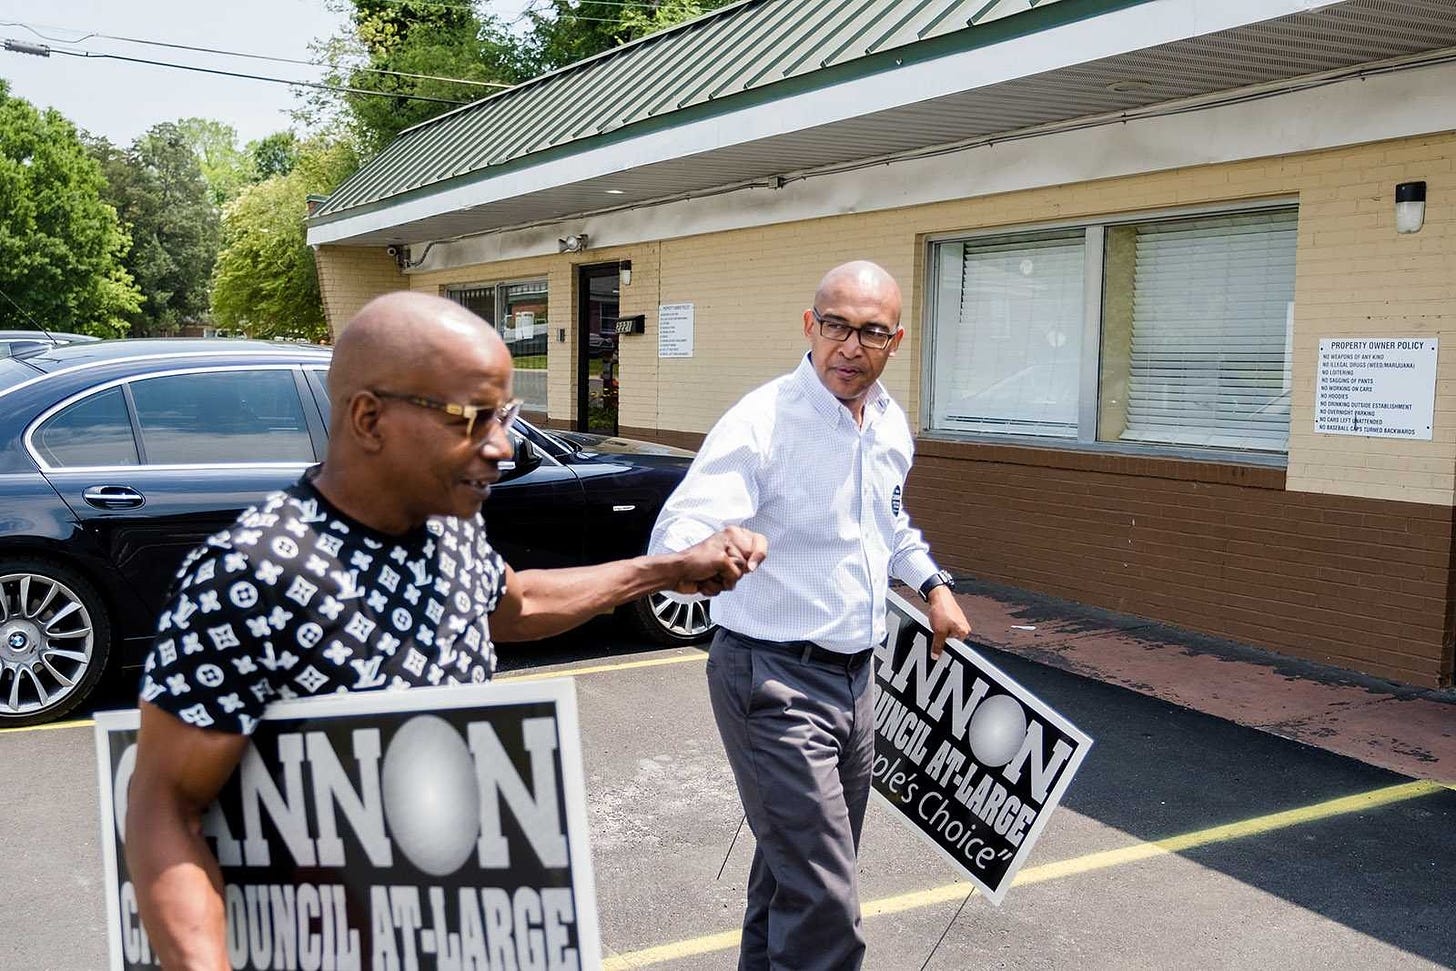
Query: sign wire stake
[[947, 929], [730, 847]]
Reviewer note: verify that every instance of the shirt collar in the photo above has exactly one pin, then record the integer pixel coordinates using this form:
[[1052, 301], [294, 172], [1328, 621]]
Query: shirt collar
[[831, 407]]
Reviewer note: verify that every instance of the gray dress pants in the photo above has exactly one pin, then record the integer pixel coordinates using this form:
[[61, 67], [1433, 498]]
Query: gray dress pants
[[800, 739]]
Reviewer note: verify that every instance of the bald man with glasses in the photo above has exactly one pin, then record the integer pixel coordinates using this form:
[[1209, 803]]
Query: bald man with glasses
[[816, 461], [372, 572]]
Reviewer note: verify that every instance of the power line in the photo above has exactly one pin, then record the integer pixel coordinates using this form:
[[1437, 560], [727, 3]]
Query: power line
[[45, 50], [34, 29]]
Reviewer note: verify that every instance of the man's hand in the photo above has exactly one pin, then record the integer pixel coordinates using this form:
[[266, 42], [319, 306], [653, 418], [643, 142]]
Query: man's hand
[[720, 561], [946, 620]]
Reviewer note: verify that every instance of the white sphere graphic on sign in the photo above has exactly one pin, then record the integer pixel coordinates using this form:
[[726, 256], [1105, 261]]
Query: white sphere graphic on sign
[[997, 730], [430, 795]]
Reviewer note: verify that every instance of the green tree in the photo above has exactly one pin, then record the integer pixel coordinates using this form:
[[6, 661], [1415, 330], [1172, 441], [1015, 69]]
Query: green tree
[[265, 283], [274, 154], [61, 245], [225, 167], [158, 189], [564, 32], [449, 42]]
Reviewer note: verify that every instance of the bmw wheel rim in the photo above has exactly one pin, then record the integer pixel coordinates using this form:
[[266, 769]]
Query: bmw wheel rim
[[682, 619], [46, 642]]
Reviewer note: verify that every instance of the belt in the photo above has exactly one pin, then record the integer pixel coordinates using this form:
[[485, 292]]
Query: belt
[[808, 651]]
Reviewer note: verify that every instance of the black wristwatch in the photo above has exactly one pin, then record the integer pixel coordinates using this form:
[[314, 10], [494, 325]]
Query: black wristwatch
[[936, 580]]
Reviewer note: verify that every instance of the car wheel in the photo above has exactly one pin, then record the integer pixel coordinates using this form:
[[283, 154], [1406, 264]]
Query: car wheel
[[54, 641], [663, 620]]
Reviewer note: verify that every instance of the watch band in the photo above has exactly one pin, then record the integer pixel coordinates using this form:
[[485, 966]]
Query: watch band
[[939, 579]]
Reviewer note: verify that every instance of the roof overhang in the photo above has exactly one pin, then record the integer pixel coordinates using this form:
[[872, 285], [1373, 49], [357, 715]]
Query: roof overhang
[[1123, 61]]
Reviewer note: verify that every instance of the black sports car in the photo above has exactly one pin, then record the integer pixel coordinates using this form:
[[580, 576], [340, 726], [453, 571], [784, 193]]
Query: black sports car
[[116, 457]]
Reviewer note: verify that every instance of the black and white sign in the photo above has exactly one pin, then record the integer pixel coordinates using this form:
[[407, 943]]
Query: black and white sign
[[970, 759], [1376, 386], [675, 330], [431, 828]]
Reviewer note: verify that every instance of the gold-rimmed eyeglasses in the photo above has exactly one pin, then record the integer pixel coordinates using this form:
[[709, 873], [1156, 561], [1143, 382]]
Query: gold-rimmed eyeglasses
[[872, 337], [476, 416]]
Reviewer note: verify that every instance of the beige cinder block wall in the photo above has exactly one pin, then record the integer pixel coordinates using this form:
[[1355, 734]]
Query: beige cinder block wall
[[351, 276], [1355, 277]]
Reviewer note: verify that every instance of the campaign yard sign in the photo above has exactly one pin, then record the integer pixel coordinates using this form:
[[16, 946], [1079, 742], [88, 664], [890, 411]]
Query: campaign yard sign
[[431, 828], [972, 761]]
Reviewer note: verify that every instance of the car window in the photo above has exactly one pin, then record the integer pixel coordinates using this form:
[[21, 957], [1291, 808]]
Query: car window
[[318, 379], [222, 417], [93, 431]]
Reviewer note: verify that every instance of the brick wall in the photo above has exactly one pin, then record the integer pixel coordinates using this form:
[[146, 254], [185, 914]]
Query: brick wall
[[351, 276], [1359, 583]]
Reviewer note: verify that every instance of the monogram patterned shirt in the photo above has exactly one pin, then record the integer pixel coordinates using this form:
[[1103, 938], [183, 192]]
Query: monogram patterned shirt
[[298, 599]]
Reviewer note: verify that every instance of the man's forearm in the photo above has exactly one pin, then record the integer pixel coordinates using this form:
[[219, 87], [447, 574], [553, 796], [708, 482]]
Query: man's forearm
[[558, 600], [179, 888]]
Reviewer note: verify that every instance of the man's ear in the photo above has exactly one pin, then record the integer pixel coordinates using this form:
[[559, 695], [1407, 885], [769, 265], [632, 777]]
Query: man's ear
[[364, 415], [809, 324], [895, 341]]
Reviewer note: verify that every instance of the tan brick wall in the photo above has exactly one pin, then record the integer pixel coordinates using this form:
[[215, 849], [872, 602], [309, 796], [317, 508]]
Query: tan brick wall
[[1355, 277], [351, 276]]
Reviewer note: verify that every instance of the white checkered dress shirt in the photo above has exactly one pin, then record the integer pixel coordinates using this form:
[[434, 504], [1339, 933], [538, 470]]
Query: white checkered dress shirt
[[789, 462]]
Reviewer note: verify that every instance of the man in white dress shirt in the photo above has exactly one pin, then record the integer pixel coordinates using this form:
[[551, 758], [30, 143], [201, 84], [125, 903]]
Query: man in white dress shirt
[[816, 461]]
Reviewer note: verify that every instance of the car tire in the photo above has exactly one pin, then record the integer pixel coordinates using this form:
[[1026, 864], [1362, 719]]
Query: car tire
[[670, 623], [55, 640]]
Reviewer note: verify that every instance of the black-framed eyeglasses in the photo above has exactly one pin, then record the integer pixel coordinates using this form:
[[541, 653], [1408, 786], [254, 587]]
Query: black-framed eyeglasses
[[871, 336], [476, 416]]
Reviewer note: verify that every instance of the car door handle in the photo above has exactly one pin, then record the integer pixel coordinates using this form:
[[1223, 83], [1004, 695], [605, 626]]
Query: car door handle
[[113, 497]]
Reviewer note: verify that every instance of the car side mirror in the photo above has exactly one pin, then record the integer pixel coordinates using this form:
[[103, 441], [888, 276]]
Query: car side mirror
[[525, 460]]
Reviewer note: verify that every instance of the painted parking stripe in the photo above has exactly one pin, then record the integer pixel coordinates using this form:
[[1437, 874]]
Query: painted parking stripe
[[78, 723], [535, 676], [953, 892], [603, 668]]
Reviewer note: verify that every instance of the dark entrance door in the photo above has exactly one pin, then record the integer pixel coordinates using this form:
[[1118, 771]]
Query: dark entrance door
[[596, 372]]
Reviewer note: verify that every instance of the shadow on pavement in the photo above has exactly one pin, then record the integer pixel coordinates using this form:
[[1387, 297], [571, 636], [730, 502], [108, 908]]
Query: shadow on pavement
[[1157, 770]]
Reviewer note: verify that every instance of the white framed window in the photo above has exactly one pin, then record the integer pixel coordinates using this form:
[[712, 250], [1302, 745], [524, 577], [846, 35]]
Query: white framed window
[[1168, 333]]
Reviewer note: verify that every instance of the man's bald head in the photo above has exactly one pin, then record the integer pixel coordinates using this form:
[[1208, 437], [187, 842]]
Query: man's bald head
[[401, 338], [856, 282]]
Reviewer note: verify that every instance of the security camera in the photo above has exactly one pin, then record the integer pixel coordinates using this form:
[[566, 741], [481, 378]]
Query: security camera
[[393, 251]]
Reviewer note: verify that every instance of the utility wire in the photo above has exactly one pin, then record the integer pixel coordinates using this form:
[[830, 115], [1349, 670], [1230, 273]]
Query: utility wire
[[34, 29], [45, 50]]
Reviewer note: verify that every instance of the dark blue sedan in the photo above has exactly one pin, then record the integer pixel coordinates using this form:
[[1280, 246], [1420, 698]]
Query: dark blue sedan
[[117, 457]]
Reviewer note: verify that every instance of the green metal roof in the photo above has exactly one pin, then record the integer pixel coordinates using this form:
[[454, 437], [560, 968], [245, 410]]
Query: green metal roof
[[747, 53]]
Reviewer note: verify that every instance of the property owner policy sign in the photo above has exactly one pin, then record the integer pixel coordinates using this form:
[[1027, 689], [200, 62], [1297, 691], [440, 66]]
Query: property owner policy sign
[[971, 760], [1380, 387], [432, 828]]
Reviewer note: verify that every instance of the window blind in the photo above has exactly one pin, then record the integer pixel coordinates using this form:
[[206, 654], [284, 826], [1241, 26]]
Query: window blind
[[1212, 311], [1009, 340]]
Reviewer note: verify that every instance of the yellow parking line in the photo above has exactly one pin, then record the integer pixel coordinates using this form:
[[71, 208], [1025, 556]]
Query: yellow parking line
[[78, 723], [537, 676], [601, 668], [1066, 868]]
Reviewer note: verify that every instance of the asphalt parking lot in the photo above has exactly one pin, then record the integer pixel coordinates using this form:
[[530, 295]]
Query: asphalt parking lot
[[1185, 841]]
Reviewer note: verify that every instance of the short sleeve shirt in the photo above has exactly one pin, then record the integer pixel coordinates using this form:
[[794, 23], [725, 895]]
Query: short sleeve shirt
[[297, 599]]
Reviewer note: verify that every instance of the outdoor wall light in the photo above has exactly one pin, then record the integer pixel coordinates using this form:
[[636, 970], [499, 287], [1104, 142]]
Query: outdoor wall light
[[624, 273], [1410, 207], [574, 243]]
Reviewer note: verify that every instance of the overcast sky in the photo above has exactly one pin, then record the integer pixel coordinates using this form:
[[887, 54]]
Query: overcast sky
[[121, 100]]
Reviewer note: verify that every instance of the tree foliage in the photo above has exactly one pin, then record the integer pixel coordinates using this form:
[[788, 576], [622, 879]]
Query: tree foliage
[[265, 283], [158, 189], [61, 245], [457, 40]]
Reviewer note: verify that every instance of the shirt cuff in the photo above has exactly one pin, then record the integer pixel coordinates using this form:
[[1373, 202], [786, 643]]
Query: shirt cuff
[[914, 568], [679, 536]]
